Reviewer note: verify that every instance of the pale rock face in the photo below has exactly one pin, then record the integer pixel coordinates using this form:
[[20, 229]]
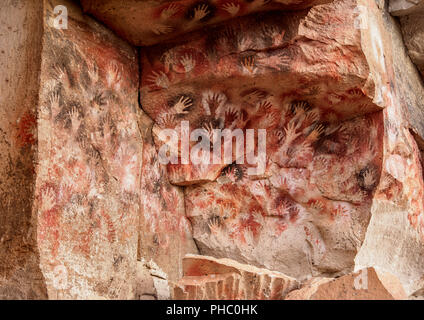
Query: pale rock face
[[335, 106], [411, 14], [366, 284], [405, 7]]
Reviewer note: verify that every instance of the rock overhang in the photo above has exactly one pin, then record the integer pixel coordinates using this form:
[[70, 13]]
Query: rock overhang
[[145, 23]]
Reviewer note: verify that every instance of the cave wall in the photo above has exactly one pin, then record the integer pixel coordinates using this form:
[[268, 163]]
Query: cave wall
[[309, 85], [149, 22], [411, 16], [394, 240], [20, 54], [341, 188], [342, 104], [89, 160], [165, 232]]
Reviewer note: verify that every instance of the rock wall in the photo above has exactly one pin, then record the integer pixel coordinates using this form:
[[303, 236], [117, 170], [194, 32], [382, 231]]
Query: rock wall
[[365, 284], [165, 231], [411, 14], [164, 20], [114, 155], [89, 160], [224, 279], [394, 240], [308, 212], [341, 106], [20, 51]]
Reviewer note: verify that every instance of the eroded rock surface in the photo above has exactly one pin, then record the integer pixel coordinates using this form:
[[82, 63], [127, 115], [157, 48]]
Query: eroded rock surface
[[165, 231], [413, 33], [145, 23], [405, 7], [307, 213], [366, 284], [20, 54], [207, 278], [394, 240], [89, 160], [324, 91], [411, 15], [339, 118]]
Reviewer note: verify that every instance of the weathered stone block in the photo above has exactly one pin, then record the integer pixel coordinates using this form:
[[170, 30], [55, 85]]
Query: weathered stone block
[[145, 23], [366, 284], [20, 54], [331, 180], [89, 160], [324, 147], [207, 278]]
